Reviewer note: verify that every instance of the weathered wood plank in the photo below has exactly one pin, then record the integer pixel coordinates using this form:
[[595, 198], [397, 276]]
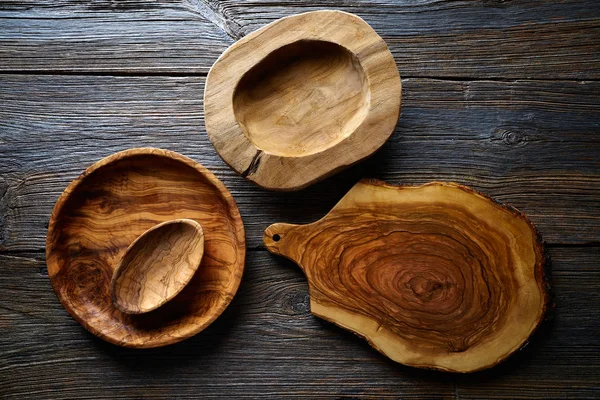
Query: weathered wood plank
[[268, 343], [533, 145], [105, 36], [517, 39], [476, 39]]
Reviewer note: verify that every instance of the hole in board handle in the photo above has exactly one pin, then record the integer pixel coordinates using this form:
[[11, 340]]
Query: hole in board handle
[[276, 237]]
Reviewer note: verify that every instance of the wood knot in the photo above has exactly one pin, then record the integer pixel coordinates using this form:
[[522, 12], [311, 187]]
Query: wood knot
[[301, 303], [510, 137]]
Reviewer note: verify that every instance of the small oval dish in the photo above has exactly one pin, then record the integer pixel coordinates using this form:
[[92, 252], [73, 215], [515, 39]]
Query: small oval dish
[[157, 266], [111, 204], [302, 98]]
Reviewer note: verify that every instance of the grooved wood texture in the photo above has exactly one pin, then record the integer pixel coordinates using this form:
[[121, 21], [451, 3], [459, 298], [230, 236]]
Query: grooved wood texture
[[502, 96], [297, 356], [474, 39], [530, 144]]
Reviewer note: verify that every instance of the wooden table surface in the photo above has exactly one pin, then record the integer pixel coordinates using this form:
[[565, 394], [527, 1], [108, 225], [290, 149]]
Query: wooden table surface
[[503, 96]]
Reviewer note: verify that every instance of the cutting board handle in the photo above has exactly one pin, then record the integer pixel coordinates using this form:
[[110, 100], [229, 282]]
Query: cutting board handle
[[275, 240]]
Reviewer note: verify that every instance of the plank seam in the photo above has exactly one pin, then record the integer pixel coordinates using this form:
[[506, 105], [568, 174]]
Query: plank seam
[[13, 252], [141, 73], [133, 73], [587, 245]]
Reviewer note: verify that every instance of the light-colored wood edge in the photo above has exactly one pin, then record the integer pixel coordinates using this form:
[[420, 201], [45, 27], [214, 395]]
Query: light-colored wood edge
[[245, 158], [53, 265]]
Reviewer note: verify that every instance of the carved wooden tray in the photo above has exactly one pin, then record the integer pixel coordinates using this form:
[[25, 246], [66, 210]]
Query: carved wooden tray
[[302, 98], [435, 276], [110, 205]]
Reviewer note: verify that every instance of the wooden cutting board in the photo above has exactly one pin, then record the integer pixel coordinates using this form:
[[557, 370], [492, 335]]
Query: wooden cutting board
[[436, 276]]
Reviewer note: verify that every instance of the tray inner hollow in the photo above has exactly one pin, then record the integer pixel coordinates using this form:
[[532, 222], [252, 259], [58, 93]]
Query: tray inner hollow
[[302, 98]]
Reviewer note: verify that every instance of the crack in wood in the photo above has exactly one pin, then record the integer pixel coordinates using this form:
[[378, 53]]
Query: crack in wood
[[254, 164]]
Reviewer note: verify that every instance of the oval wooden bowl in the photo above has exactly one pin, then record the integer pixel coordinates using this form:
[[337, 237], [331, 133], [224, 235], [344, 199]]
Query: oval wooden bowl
[[436, 276], [104, 210], [302, 98], [157, 266]]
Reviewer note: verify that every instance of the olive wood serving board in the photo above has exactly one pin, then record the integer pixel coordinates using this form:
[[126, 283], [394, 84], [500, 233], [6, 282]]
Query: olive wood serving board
[[112, 203], [435, 276], [302, 98]]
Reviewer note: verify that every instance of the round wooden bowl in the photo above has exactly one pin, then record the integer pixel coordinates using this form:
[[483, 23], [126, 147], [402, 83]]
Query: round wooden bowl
[[302, 98], [107, 208]]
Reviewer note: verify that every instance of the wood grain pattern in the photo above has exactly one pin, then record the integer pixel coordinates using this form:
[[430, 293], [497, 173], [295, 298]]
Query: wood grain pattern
[[157, 266], [514, 115], [129, 36], [483, 39], [435, 276], [276, 348], [531, 144], [110, 205], [301, 99], [476, 39]]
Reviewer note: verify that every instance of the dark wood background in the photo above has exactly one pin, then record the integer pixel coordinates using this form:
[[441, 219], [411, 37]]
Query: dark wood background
[[500, 95]]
